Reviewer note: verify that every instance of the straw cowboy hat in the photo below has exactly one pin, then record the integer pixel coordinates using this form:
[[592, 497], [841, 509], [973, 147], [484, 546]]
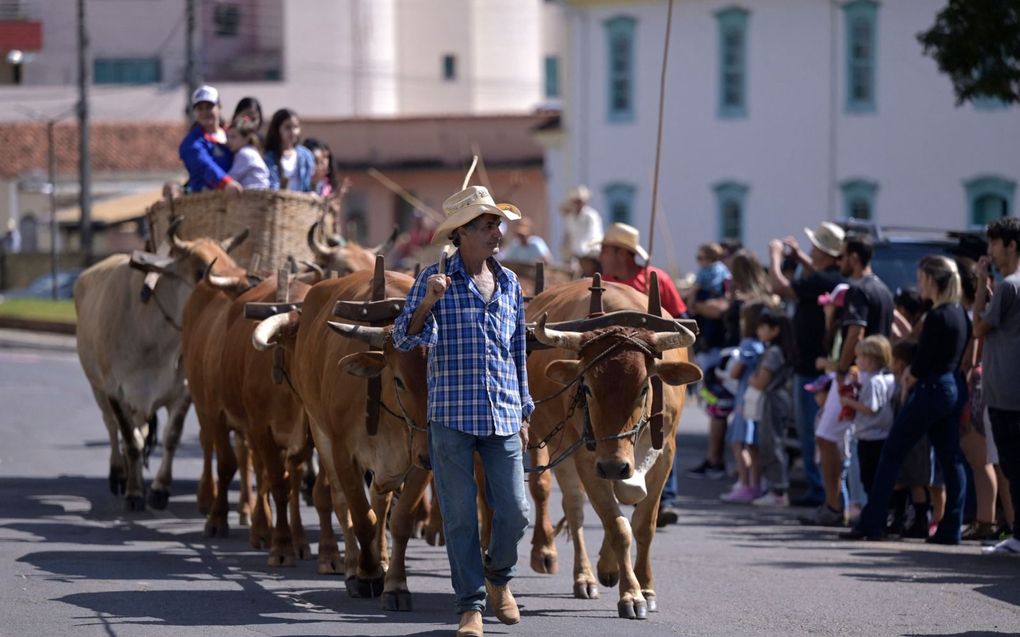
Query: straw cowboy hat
[[467, 204], [623, 236], [827, 237]]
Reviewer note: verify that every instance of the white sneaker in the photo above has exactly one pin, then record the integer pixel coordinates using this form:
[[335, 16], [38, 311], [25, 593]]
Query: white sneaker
[[771, 499], [1009, 546]]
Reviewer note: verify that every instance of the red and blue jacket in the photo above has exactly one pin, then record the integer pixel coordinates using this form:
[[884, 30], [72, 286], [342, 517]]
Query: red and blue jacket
[[207, 160]]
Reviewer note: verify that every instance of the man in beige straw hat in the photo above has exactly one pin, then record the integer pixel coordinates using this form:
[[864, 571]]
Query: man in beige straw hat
[[471, 319], [820, 274], [620, 249], [582, 225]]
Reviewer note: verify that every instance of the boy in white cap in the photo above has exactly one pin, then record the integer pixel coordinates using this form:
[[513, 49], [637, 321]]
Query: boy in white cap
[[204, 149], [471, 319]]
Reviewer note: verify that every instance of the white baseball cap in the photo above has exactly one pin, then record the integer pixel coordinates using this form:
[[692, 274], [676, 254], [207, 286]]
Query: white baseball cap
[[205, 93]]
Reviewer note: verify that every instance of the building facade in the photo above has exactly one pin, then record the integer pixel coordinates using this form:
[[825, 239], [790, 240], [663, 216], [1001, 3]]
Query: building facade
[[778, 114]]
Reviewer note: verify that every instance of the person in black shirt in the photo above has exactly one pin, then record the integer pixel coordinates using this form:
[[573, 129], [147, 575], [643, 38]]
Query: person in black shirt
[[820, 274], [931, 408], [867, 311]]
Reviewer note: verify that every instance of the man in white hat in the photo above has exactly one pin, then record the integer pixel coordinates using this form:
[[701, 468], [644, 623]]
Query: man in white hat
[[620, 250], [204, 149], [471, 319], [582, 225], [820, 274]]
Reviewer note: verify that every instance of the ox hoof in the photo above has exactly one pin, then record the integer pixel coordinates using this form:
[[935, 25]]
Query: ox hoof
[[653, 606], [396, 600], [243, 519], [134, 503], [364, 588], [280, 558], [586, 590], [303, 551], [632, 609], [159, 498], [212, 529], [545, 563], [118, 483], [609, 580], [330, 565]]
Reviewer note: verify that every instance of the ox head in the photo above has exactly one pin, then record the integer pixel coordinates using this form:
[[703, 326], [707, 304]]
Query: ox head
[[210, 259], [615, 366], [341, 256], [409, 387]]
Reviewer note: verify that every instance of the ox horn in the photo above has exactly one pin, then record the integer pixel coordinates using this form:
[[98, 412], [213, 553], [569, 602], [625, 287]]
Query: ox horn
[[175, 241], [319, 249], [555, 338], [387, 245], [663, 341], [374, 336], [221, 282], [234, 241], [265, 332]]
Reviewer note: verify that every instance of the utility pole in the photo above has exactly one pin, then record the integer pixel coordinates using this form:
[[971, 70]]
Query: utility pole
[[54, 228], [84, 158], [190, 65]]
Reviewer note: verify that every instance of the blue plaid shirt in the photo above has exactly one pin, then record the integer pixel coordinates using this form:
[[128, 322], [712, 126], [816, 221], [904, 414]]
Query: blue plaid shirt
[[477, 362]]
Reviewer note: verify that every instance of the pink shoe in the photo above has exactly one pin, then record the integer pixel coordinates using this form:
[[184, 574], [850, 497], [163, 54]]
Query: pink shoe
[[741, 495]]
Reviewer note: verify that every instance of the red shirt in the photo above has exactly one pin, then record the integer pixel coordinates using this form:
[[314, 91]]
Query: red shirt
[[668, 294]]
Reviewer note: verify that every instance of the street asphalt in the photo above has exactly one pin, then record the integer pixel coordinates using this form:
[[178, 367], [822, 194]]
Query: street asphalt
[[73, 562]]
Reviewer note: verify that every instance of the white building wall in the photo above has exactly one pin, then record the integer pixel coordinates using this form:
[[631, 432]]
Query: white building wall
[[506, 37], [918, 146]]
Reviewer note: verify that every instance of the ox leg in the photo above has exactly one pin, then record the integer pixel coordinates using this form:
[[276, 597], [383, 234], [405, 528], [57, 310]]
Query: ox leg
[[118, 471], [206, 485], [382, 505], [543, 545], [585, 584], [296, 483], [434, 527], [643, 522], [259, 533], [329, 550], [246, 502], [159, 490], [272, 474], [396, 595], [134, 496], [226, 466], [364, 525], [420, 516], [632, 603]]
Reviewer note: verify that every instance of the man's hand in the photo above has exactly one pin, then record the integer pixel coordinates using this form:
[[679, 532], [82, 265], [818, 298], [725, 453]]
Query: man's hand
[[436, 287], [984, 265], [775, 247], [524, 435], [791, 242]]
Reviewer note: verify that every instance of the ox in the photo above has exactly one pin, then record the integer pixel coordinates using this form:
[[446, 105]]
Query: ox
[[611, 369], [344, 257], [130, 352], [336, 405]]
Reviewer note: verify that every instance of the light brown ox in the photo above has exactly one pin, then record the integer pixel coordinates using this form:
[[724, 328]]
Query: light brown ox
[[129, 351], [618, 471], [397, 455]]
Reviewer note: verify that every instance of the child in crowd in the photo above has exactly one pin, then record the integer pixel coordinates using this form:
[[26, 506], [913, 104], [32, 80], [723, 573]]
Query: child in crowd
[[742, 431], [248, 167], [873, 406], [916, 473], [710, 281], [775, 368]]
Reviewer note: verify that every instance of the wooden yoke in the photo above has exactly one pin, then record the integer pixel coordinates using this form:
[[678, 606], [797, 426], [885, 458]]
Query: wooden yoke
[[655, 309], [595, 305], [283, 277], [375, 382]]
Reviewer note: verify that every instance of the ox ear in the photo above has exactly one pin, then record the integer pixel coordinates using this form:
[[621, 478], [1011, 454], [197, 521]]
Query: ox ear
[[149, 262], [682, 373], [563, 371], [363, 364]]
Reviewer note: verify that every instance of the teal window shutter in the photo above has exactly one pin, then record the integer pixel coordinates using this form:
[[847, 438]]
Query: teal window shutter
[[620, 198], [859, 199], [732, 62], [861, 17], [126, 71], [552, 76], [449, 67], [730, 197], [620, 46], [988, 198]]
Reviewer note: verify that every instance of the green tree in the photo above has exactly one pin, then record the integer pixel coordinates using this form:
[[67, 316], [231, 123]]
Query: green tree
[[977, 44]]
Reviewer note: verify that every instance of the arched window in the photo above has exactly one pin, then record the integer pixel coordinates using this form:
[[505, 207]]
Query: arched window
[[732, 62], [620, 200], [620, 70], [988, 198], [859, 199], [730, 198]]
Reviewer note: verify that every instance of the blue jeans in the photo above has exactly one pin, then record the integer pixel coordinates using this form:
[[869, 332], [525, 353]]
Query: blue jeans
[[452, 454], [933, 409], [805, 411], [672, 487]]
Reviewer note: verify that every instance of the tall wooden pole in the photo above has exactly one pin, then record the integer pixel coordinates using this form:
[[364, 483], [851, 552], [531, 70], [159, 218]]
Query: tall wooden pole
[[658, 138], [84, 157]]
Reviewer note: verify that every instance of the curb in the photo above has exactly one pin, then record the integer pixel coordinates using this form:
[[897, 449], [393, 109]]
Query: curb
[[32, 335], [37, 325]]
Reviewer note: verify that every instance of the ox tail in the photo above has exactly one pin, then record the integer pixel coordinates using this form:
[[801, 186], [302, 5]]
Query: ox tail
[[270, 330], [151, 439], [561, 527]]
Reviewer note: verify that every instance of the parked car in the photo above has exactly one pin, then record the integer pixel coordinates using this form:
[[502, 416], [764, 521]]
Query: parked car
[[42, 287]]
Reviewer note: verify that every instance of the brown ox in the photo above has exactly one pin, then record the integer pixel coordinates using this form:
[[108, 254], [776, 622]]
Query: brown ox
[[335, 403], [129, 351], [615, 366], [344, 257]]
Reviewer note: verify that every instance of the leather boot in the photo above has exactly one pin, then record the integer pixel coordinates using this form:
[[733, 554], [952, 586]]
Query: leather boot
[[502, 603], [470, 624]]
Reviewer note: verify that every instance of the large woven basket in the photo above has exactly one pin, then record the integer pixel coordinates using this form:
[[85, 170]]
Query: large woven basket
[[278, 222]]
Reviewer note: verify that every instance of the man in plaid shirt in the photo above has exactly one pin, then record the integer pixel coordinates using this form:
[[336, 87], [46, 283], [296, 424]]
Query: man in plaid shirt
[[471, 317]]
